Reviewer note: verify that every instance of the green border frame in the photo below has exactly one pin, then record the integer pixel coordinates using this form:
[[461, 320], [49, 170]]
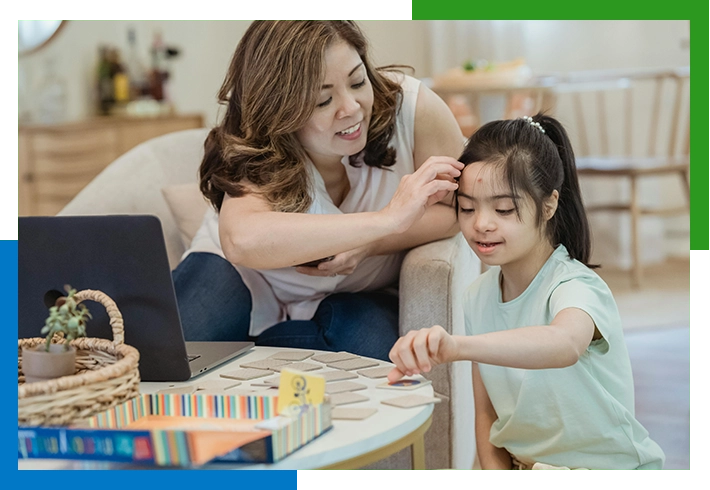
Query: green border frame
[[553, 9]]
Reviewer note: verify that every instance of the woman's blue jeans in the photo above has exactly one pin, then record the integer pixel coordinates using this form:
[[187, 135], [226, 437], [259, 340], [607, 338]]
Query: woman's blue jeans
[[215, 305]]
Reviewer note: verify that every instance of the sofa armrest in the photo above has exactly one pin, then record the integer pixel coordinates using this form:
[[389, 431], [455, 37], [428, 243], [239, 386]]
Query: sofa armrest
[[432, 281]]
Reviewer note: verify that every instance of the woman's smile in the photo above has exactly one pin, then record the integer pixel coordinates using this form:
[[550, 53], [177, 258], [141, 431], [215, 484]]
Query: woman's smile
[[351, 133]]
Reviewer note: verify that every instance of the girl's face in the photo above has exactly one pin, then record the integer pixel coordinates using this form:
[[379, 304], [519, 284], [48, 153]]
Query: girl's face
[[492, 228], [339, 124]]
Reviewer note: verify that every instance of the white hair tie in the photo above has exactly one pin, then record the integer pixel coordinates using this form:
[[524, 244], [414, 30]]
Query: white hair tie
[[530, 121]]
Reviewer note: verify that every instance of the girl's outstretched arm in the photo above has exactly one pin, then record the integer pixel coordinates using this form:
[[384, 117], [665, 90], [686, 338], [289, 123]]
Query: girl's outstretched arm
[[490, 456], [539, 347]]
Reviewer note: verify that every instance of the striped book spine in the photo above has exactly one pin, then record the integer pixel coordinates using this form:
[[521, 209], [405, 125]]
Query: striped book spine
[[172, 447], [222, 406], [311, 423], [121, 415]]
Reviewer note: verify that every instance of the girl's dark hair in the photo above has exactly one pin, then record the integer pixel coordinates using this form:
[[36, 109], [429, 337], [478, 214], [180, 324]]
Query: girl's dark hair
[[535, 164], [270, 91]]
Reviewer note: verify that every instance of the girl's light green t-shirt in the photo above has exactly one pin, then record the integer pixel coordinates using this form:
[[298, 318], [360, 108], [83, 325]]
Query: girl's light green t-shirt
[[581, 416]]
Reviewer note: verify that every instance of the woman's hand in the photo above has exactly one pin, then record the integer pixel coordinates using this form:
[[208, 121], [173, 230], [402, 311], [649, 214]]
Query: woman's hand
[[342, 264], [420, 350], [417, 191]]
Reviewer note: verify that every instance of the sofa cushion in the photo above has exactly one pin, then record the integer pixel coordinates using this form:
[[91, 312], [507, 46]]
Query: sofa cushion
[[132, 183], [188, 207]]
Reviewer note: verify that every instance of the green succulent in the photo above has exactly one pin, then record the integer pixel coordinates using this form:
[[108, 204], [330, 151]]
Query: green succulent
[[67, 316], [469, 66]]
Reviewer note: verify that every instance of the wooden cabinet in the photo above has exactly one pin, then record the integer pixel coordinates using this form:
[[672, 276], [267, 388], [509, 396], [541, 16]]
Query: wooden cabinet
[[56, 162]]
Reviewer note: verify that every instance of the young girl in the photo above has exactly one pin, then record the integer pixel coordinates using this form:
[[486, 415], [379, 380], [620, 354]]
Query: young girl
[[552, 379]]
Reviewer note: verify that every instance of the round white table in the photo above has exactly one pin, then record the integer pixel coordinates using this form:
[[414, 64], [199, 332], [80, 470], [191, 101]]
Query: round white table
[[349, 444]]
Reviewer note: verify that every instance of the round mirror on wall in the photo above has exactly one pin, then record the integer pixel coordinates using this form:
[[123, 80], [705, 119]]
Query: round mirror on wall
[[33, 34]]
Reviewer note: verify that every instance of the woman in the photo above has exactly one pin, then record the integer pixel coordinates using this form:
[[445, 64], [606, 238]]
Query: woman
[[319, 156]]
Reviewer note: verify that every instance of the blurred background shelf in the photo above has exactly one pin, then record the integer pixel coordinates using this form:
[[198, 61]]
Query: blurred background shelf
[[56, 161]]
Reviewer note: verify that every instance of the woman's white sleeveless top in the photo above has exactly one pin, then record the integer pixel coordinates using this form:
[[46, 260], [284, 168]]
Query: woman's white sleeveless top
[[282, 294]]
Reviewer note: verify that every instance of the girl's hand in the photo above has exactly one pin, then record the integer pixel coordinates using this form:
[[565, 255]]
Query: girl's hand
[[420, 350], [417, 191], [342, 264]]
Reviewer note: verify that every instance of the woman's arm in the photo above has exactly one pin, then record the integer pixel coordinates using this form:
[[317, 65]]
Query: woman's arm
[[253, 235], [439, 221], [557, 345], [264, 239], [490, 456], [436, 132]]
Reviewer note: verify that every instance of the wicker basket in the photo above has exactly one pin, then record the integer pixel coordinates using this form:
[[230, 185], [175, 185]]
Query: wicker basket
[[106, 375]]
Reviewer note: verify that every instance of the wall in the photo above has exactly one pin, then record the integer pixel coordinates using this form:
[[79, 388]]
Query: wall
[[429, 46], [206, 49], [568, 45], [621, 44], [400, 42], [565, 46], [196, 76]]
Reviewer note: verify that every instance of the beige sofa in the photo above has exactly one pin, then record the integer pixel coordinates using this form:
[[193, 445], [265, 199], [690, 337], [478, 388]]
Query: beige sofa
[[159, 177]]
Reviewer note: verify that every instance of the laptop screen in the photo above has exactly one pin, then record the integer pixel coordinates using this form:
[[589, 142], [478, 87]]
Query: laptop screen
[[123, 256]]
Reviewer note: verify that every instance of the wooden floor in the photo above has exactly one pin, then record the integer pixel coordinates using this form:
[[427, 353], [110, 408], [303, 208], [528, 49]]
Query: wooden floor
[[658, 340], [660, 360]]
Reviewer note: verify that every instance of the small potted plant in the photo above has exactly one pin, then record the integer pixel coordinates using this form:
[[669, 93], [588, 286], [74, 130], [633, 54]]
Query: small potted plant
[[48, 360]]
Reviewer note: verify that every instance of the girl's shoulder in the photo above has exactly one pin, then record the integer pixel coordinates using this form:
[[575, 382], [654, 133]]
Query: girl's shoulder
[[562, 264], [574, 285], [483, 285], [563, 269]]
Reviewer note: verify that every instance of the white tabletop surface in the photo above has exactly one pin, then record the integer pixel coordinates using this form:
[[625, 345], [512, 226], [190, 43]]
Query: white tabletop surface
[[345, 440]]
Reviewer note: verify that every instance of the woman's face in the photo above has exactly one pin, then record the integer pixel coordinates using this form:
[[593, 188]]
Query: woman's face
[[341, 117]]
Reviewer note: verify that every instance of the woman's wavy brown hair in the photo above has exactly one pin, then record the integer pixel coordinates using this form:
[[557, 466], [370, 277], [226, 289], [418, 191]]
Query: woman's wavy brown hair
[[270, 92]]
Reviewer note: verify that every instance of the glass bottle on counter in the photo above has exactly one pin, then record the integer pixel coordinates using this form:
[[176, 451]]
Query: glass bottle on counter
[[121, 83], [104, 82], [136, 69], [157, 72]]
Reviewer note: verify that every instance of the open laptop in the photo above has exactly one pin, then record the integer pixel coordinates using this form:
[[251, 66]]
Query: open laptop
[[125, 257]]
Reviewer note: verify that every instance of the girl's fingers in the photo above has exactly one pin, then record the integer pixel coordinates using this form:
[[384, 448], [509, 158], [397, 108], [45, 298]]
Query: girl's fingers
[[403, 356], [421, 352], [433, 344], [408, 364], [395, 375], [394, 354]]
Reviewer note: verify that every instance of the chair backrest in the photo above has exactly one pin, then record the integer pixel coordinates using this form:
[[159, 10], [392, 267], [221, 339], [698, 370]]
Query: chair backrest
[[630, 114], [132, 183], [466, 103]]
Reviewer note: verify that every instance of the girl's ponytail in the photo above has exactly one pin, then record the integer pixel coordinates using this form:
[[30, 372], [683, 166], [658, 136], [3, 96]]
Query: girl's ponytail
[[569, 226]]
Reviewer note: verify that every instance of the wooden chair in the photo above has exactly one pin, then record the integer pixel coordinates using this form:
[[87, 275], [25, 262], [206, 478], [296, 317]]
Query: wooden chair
[[647, 115], [465, 102]]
